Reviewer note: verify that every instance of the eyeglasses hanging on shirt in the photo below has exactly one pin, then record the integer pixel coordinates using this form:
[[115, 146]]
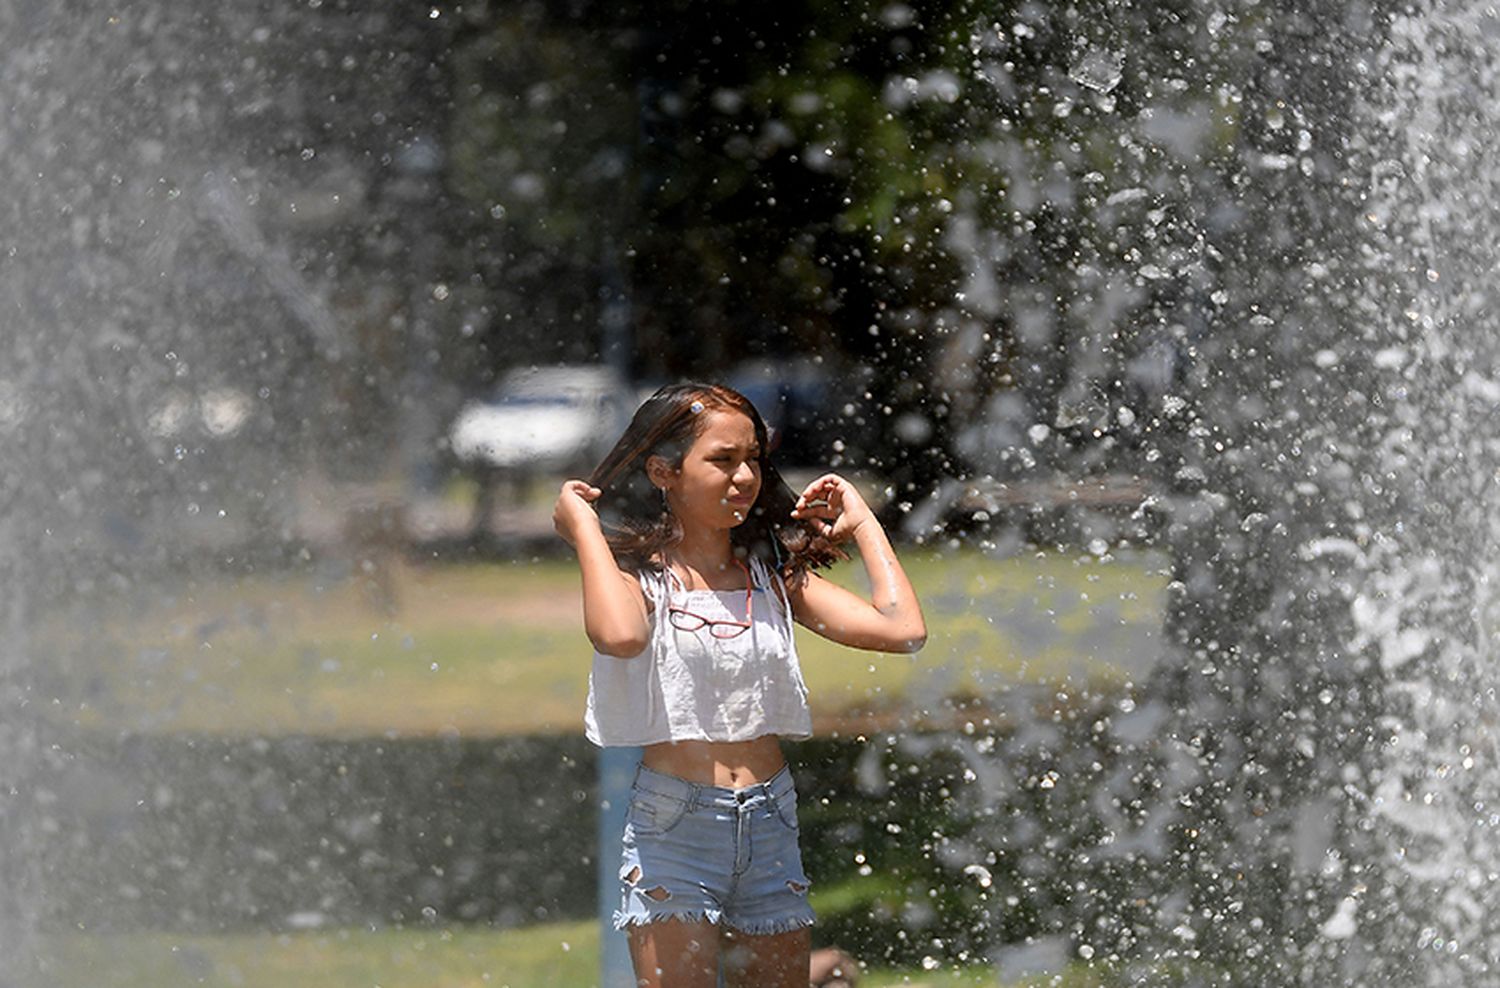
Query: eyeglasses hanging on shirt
[[685, 620]]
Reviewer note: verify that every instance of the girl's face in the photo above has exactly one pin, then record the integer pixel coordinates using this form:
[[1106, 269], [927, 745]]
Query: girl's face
[[719, 478]]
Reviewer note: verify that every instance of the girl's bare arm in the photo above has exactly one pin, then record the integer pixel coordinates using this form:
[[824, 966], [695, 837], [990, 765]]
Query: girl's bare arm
[[615, 616], [891, 620]]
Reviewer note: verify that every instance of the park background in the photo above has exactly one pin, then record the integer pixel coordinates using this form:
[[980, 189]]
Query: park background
[[1159, 331]]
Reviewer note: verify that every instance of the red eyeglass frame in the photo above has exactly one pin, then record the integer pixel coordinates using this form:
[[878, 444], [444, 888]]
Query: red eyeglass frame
[[738, 627]]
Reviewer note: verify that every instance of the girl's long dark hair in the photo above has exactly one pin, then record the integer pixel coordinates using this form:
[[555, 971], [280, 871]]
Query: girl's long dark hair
[[636, 522]]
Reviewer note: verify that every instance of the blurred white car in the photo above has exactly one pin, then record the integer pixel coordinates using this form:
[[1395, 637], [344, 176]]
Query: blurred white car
[[558, 418]]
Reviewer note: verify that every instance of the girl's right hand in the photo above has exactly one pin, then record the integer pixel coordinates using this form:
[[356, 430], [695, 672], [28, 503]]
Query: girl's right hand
[[574, 510]]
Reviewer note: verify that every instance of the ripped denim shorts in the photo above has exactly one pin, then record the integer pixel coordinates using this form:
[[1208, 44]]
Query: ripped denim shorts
[[699, 852]]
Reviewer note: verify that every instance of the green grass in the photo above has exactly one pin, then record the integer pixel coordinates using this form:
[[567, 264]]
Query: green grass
[[559, 955], [564, 954], [498, 649]]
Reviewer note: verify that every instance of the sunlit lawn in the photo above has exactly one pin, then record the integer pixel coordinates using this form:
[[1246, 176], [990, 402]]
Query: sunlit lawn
[[498, 648], [560, 955]]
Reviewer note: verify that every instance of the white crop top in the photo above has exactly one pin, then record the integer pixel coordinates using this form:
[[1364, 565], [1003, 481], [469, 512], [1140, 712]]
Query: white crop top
[[689, 685]]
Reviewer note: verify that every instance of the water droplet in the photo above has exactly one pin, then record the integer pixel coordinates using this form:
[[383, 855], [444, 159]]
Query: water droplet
[[1098, 69]]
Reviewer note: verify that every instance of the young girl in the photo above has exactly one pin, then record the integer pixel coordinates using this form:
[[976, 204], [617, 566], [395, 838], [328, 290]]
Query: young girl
[[689, 601]]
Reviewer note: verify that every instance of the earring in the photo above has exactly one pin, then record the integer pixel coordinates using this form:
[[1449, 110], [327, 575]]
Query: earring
[[666, 508]]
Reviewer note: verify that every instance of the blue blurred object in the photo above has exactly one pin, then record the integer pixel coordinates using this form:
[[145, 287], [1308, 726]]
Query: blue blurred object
[[800, 402], [616, 775]]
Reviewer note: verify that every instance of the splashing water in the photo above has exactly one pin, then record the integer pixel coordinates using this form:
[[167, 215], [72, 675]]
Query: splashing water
[[1424, 582], [1308, 793]]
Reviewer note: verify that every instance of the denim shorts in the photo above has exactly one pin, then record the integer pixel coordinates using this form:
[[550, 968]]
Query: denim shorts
[[699, 852]]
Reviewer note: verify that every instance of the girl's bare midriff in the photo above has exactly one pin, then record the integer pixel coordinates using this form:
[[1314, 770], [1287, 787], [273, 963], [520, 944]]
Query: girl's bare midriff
[[732, 764]]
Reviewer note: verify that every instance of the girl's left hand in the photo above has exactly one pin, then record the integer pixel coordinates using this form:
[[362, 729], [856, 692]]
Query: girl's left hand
[[835, 506]]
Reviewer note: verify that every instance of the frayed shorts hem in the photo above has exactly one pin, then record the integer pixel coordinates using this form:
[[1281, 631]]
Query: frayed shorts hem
[[759, 928], [714, 916]]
